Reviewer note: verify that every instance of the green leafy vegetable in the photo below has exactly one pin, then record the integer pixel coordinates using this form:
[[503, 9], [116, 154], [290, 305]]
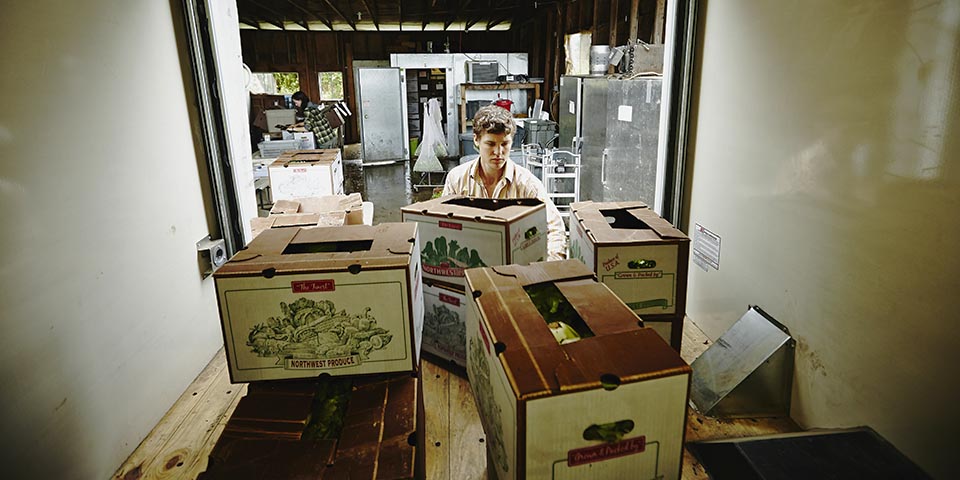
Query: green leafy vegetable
[[564, 322], [329, 408]]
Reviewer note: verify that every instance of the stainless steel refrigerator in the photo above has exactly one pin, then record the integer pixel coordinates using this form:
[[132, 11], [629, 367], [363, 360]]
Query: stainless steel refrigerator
[[569, 118], [382, 96], [628, 166], [593, 136], [620, 125]]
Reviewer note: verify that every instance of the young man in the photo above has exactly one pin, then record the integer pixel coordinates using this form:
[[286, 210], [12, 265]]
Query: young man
[[494, 175]]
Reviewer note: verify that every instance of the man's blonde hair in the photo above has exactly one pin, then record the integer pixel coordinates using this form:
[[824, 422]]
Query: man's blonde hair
[[493, 119]]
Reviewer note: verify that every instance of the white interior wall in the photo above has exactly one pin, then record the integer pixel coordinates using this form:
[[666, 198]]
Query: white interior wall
[[105, 317], [825, 153]]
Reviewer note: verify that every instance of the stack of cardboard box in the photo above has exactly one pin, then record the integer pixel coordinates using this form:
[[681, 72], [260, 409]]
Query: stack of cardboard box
[[640, 256], [341, 308], [458, 233]]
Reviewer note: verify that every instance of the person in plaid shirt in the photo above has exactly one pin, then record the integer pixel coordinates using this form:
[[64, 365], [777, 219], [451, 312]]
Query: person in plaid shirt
[[316, 122]]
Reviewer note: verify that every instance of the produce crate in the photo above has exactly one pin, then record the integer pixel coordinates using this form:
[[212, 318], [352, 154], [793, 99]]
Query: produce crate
[[369, 427], [640, 256], [444, 321], [275, 148], [460, 232], [298, 302], [567, 381], [306, 173]]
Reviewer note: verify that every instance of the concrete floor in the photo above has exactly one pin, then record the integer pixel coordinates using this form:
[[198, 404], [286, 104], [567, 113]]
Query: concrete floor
[[389, 187]]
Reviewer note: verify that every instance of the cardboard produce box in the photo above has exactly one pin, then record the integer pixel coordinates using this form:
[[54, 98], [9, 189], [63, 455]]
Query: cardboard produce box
[[306, 173], [351, 205], [567, 381], [324, 211], [459, 232], [444, 321], [640, 256], [298, 302], [370, 427]]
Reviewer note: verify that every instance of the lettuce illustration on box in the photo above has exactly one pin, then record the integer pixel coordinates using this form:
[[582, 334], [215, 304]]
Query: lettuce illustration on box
[[441, 258], [314, 329]]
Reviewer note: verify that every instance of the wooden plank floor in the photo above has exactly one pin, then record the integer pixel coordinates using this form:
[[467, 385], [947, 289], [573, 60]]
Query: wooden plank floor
[[178, 446]]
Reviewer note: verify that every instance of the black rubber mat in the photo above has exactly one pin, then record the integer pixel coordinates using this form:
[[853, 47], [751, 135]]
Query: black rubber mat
[[847, 454]]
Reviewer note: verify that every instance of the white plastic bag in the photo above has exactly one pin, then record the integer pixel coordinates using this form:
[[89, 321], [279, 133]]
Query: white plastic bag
[[433, 144]]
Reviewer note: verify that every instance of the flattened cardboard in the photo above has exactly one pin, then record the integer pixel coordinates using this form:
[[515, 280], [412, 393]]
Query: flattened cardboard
[[527, 385], [655, 292], [296, 315], [382, 433], [493, 231]]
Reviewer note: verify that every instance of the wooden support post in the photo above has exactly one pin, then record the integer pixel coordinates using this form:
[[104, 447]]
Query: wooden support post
[[660, 22], [634, 20], [350, 93], [595, 23], [614, 21]]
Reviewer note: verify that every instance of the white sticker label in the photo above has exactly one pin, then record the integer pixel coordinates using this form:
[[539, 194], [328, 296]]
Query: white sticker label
[[625, 113], [572, 107], [706, 247], [649, 90]]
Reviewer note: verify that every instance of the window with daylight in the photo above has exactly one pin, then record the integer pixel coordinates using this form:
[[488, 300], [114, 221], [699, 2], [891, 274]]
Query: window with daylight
[[331, 85]]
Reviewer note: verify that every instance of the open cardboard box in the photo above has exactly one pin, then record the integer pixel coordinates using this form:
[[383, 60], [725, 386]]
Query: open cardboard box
[[640, 256], [271, 433], [306, 173], [298, 302], [460, 232], [610, 405], [323, 211]]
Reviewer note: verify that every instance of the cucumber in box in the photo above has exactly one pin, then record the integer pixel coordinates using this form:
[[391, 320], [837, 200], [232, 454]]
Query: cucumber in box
[[459, 232], [298, 302], [640, 256], [568, 383]]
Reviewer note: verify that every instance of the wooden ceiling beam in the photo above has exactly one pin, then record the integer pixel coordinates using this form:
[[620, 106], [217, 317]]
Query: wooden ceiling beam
[[460, 8], [341, 15], [315, 16], [252, 23], [494, 23], [372, 12]]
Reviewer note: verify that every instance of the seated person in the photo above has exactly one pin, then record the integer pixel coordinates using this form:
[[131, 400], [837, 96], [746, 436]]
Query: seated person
[[494, 175]]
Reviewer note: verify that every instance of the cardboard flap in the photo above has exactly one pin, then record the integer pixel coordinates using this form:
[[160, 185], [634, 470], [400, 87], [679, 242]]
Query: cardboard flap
[[539, 272], [477, 209], [591, 217], [307, 157], [620, 350], [330, 203], [282, 250], [285, 206], [296, 220]]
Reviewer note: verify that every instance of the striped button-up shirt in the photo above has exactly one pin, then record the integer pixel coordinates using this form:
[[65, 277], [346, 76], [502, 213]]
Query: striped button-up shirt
[[517, 182]]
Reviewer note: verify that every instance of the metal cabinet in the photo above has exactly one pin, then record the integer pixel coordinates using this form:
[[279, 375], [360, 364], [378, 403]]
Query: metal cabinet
[[569, 118]]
